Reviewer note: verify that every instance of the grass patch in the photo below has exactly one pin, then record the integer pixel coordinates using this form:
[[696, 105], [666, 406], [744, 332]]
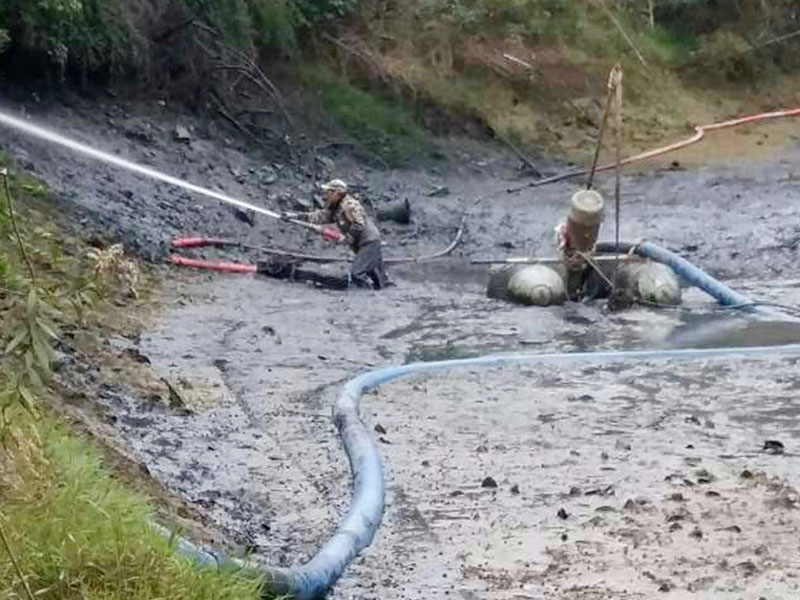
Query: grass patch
[[380, 122], [75, 532]]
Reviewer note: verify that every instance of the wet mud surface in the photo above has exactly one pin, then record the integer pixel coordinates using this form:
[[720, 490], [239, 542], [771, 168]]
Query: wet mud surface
[[633, 481]]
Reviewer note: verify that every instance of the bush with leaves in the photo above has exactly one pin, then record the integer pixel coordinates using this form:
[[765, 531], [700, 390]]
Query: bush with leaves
[[731, 56], [275, 24], [529, 18], [39, 285], [252, 23], [27, 319], [87, 35], [30, 350], [324, 10]]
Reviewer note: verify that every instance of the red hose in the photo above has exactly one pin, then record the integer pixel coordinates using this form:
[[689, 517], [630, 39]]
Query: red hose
[[223, 267], [193, 242], [699, 133]]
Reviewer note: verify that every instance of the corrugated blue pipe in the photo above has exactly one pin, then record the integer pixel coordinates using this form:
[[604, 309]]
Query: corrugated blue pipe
[[694, 276], [312, 580]]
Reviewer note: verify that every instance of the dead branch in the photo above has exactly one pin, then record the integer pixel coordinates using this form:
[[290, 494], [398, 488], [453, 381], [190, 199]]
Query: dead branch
[[246, 66], [232, 120], [753, 48], [777, 40], [358, 54], [254, 111], [520, 62], [519, 153], [627, 38], [170, 31], [333, 144], [224, 112]]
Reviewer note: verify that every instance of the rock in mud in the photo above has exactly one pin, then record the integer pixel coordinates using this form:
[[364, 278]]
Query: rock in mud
[[439, 192], [267, 176], [562, 514], [327, 164], [136, 356], [489, 483], [182, 134], [246, 216], [773, 447], [581, 398], [705, 477], [400, 212], [142, 134]]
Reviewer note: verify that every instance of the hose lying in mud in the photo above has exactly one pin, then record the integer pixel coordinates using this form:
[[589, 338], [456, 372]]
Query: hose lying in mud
[[700, 131], [699, 278], [686, 270], [230, 267], [312, 580]]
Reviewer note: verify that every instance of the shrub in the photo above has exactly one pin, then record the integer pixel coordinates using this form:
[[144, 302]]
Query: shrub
[[269, 23], [84, 34], [731, 55]]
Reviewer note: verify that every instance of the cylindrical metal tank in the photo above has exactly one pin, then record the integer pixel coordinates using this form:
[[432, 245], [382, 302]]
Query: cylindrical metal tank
[[584, 219], [536, 285]]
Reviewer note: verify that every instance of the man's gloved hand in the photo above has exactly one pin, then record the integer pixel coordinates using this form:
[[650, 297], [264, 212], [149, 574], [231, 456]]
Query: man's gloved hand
[[333, 235], [288, 216]]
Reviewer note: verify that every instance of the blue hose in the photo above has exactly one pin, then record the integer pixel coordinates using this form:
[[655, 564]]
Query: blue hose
[[312, 580], [694, 276]]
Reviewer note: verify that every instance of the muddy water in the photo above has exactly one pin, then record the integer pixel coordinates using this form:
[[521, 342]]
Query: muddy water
[[258, 362]]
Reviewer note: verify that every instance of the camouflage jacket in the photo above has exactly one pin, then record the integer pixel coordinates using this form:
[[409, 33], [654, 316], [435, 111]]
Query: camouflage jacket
[[351, 218]]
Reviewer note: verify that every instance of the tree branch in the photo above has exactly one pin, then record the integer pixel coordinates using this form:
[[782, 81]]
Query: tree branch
[[4, 175]]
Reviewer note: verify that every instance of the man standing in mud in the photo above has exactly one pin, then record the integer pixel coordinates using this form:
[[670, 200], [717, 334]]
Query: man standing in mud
[[357, 230]]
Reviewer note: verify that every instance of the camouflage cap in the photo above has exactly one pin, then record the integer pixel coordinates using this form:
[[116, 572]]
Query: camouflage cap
[[336, 185]]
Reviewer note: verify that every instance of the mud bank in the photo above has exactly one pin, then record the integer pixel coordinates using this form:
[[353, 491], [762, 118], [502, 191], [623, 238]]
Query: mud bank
[[256, 363]]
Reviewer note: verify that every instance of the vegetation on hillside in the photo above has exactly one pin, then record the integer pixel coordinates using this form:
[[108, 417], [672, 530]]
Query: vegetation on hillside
[[532, 70], [68, 530], [529, 70]]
